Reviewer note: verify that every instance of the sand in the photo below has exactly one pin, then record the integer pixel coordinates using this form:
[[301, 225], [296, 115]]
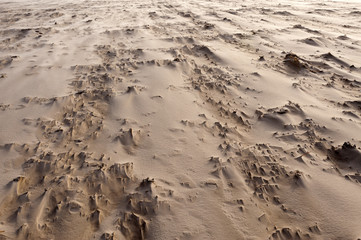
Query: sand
[[180, 119]]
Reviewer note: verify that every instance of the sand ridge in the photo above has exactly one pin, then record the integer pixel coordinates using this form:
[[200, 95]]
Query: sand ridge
[[180, 120]]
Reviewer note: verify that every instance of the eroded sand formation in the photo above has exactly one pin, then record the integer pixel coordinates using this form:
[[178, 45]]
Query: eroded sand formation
[[180, 120]]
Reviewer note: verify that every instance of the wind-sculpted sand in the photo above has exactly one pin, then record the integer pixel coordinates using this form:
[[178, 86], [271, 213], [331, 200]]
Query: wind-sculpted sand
[[180, 119]]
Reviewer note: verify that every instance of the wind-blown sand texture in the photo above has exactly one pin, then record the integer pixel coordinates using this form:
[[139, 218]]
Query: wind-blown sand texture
[[180, 119]]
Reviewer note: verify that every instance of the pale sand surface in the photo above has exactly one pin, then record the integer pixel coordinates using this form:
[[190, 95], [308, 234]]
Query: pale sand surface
[[180, 119]]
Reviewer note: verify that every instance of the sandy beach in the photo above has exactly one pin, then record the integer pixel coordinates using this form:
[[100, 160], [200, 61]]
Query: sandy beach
[[180, 119]]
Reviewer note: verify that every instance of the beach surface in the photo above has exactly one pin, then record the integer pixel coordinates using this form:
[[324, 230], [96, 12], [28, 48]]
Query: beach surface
[[180, 119]]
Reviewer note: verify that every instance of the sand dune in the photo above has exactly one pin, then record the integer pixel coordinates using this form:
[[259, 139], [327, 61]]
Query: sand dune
[[180, 119]]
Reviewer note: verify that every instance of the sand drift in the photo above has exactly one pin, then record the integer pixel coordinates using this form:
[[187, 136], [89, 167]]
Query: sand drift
[[180, 120]]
